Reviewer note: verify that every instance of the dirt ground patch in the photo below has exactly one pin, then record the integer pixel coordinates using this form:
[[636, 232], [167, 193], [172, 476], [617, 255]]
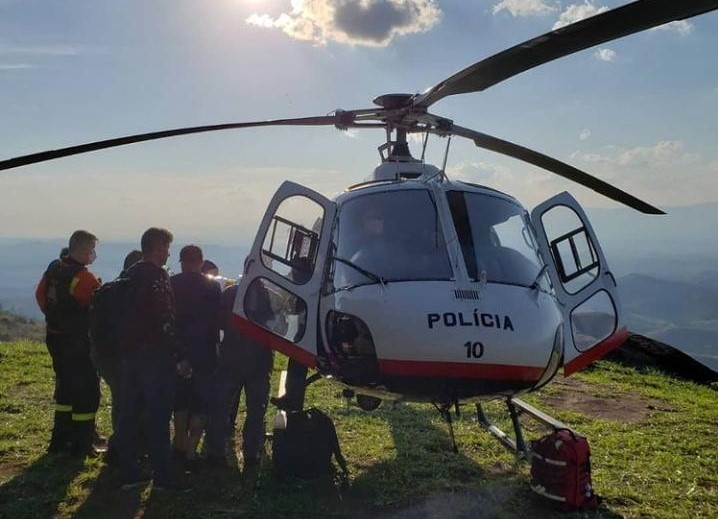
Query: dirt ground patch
[[601, 402], [487, 502], [9, 470]]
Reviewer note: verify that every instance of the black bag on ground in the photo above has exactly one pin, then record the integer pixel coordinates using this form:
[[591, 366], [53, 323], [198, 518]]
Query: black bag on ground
[[305, 447], [110, 314]]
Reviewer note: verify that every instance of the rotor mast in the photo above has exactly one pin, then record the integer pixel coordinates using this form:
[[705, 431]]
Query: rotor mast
[[396, 150]]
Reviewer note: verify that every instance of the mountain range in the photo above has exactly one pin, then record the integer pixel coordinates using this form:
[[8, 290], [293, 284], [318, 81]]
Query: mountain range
[[665, 267]]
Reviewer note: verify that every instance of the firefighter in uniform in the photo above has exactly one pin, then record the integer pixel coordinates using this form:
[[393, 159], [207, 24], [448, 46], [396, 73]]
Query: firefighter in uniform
[[64, 295]]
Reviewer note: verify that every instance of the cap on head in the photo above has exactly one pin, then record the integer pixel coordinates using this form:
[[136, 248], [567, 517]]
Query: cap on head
[[209, 267]]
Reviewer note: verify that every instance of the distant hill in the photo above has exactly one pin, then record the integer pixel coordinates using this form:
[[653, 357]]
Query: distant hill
[[683, 231], [700, 344], [672, 301], [23, 261], [15, 327], [666, 267], [682, 314]]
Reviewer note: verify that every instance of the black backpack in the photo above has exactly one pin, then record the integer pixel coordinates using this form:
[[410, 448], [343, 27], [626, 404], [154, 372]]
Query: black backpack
[[305, 448], [110, 315]]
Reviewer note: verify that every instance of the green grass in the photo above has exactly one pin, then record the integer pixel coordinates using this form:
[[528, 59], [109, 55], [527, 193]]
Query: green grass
[[400, 458]]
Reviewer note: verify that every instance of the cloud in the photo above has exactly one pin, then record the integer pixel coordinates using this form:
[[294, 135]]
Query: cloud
[[215, 206], [528, 184], [15, 66], [664, 173], [372, 23], [585, 134], [605, 54], [33, 53], [523, 7], [577, 12], [41, 50], [661, 154], [352, 133], [683, 27]]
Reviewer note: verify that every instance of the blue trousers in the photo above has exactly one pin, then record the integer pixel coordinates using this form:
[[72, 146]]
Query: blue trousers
[[147, 390]]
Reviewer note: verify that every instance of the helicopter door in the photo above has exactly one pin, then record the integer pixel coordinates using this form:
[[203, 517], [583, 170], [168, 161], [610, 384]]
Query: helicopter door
[[278, 296], [584, 285]]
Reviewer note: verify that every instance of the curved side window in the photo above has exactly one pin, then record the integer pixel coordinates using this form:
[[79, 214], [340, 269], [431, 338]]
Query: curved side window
[[290, 245], [573, 251], [275, 309], [593, 320]]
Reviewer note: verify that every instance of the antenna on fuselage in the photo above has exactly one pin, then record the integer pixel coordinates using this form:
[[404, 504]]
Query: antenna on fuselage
[[446, 155]]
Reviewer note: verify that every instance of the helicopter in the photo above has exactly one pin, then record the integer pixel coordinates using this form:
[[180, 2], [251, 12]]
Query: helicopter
[[413, 286]]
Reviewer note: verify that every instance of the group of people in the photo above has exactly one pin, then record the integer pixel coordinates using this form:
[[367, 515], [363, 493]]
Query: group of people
[[178, 357]]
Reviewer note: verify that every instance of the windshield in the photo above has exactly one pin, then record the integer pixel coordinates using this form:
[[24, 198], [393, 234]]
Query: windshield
[[389, 236], [495, 239]]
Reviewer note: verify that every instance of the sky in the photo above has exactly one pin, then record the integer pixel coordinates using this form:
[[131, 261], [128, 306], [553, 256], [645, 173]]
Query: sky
[[639, 112]]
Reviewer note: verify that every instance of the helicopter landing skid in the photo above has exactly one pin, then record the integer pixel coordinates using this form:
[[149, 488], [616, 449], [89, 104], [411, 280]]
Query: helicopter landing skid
[[516, 408]]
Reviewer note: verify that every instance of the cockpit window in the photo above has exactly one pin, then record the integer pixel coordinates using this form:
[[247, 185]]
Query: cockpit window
[[495, 239], [389, 236]]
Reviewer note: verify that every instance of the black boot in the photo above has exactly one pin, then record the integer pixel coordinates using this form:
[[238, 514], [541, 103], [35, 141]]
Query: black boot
[[82, 435], [61, 432]]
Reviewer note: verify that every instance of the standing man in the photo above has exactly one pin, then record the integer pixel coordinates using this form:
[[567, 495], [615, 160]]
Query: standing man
[[64, 295], [243, 365], [152, 356], [197, 298], [108, 364]]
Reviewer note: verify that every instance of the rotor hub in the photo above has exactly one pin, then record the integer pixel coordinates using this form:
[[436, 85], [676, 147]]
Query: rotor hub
[[393, 101]]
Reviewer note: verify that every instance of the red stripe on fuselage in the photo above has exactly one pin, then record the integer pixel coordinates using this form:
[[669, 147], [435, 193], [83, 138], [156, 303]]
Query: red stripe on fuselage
[[413, 368], [398, 368], [274, 342], [602, 348]]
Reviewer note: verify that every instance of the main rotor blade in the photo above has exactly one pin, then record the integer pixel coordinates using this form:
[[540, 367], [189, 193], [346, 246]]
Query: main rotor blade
[[488, 142], [622, 21], [340, 119]]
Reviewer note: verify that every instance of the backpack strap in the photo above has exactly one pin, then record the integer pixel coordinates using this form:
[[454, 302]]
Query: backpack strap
[[339, 456]]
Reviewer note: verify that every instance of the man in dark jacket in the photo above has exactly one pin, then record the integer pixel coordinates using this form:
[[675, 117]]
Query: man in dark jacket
[[64, 295], [197, 299], [108, 366], [152, 355], [243, 365]]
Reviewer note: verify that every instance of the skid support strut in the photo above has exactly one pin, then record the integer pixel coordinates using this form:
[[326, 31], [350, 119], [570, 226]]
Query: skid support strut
[[445, 411], [516, 408]]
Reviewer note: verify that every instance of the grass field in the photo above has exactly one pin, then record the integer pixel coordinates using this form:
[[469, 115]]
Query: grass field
[[653, 439]]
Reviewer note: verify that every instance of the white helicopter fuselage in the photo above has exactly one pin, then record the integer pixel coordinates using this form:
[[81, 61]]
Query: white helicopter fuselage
[[499, 342], [427, 289]]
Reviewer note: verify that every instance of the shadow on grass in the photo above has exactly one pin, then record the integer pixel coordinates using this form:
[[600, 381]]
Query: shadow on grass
[[424, 479], [427, 479], [213, 493], [425, 464], [40, 488], [107, 501]]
